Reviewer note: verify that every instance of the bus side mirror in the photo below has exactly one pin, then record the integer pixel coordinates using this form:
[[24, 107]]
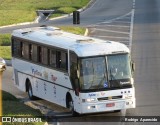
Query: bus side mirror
[[77, 74], [133, 66]]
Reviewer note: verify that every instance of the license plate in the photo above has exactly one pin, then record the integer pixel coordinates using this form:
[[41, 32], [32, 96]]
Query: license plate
[[110, 104]]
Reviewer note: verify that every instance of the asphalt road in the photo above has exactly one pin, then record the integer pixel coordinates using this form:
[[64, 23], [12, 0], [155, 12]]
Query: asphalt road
[[146, 54], [145, 49], [101, 10]]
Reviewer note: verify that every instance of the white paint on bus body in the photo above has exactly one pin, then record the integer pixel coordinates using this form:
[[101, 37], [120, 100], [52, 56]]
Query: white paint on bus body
[[53, 85]]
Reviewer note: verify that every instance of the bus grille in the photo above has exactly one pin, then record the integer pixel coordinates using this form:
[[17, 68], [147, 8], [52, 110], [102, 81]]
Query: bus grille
[[109, 98]]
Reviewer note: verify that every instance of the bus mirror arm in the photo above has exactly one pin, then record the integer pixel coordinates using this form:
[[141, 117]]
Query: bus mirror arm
[[77, 74], [133, 66], [76, 87]]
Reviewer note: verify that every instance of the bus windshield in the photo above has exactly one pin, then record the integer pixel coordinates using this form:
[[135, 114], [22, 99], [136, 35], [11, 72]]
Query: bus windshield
[[119, 67], [99, 72], [93, 72]]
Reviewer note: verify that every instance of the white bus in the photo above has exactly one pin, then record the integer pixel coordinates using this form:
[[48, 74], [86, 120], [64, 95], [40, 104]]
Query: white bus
[[84, 74]]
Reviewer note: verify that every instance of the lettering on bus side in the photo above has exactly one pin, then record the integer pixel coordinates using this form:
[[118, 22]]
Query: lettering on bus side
[[35, 72], [45, 74], [91, 95], [54, 91], [53, 78]]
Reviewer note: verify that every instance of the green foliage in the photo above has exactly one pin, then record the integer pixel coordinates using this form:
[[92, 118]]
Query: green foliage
[[11, 106], [5, 39], [17, 11], [66, 10], [8, 97], [72, 29], [5, 52]]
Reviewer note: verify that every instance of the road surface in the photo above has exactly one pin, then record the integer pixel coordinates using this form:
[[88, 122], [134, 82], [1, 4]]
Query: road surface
[[101, 10]]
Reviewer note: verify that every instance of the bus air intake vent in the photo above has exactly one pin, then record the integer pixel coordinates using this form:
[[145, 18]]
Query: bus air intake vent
[[109, 98], [85, 41], [54, 34]]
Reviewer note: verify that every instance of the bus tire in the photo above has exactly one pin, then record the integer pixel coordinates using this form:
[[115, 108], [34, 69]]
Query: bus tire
[[70, 106], [29, 90]]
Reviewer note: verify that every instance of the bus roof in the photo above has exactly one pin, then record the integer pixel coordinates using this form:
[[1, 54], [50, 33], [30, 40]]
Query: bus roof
[[83, 46]]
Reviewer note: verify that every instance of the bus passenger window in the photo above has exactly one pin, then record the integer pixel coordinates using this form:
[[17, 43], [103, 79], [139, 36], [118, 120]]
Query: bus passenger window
[[16, 47], [34, 58], [64, 61], [45, 55], [58, 59], [25, 52], [53, 58], [39, 54], [30, 51]]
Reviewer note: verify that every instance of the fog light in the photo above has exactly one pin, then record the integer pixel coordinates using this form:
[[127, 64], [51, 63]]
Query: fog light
[[127, 103], [91, 107], [89, 100]]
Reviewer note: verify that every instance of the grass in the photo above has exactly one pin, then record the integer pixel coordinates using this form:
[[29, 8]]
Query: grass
[[11, 106], [5, 52], [5, 42], [17, 11], [5, 39], [72, 29]]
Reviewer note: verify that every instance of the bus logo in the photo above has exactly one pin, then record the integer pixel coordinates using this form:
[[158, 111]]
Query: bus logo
[[36, 72], [91, 95]]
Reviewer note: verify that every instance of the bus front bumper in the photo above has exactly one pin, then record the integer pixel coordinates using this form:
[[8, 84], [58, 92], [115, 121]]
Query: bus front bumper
[[105, 106]]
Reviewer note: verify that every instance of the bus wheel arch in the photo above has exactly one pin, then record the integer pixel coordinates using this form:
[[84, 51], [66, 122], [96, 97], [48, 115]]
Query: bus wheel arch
[[29, 89], [70, 104], [27, 84]]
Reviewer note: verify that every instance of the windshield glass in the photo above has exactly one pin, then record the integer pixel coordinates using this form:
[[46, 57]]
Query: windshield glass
[[93, 73], [119, 67]]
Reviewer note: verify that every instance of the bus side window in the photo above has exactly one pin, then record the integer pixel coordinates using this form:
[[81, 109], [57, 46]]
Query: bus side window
[[34, 53], [52, 61], [64, 61], [25, 50], [16, 47], [39, 54], [21, 49], [58, 59], [45, 55], [30, 51]]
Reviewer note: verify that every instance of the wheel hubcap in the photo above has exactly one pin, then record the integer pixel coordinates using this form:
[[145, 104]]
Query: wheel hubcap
[[71, 105], [30, 92]]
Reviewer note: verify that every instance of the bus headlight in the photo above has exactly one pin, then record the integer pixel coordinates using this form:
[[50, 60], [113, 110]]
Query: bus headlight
[[89, 100], [128, 96]]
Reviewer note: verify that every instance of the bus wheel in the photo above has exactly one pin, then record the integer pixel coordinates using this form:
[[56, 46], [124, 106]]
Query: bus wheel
[[30, 92], [71, 107]]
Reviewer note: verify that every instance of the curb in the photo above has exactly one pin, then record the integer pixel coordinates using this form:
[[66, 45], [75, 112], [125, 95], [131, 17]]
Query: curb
[[27, 23], [18, 24]]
